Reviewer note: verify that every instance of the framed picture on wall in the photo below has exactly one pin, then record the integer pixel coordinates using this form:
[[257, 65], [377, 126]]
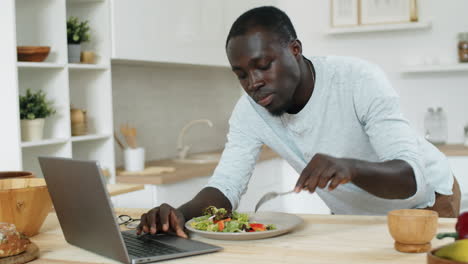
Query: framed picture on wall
[[385, 11], [344, 13]]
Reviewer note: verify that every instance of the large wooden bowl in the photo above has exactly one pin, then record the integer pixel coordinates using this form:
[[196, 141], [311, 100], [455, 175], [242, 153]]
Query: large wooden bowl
[[433, 259], [32, 53], [25, 203], [412, 229], [16, 174]]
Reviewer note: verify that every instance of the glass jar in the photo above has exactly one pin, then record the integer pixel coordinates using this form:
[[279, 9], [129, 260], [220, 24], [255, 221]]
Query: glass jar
[[463, 47], [435, 124]]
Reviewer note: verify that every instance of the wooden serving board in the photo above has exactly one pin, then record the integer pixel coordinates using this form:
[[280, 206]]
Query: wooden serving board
[[32, 252]]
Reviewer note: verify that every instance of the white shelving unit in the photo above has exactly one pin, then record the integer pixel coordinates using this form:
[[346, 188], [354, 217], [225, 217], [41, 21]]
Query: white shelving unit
[[86, 86], [379, 28], [460, 67]]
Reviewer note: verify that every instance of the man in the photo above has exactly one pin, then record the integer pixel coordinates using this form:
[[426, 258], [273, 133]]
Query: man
[[336, 120]]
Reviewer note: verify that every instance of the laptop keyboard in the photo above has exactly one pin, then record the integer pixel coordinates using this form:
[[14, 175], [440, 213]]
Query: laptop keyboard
[[146, 246]]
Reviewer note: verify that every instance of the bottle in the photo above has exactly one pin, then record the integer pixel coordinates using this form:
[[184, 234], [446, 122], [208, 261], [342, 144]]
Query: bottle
[[442, 128], [413, 11], [429, 120]]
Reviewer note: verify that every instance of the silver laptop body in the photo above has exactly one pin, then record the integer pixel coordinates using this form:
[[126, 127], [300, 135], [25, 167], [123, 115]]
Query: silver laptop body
[[87, 218]]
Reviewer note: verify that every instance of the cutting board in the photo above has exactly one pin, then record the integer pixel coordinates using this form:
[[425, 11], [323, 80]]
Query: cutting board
[[32, 252]]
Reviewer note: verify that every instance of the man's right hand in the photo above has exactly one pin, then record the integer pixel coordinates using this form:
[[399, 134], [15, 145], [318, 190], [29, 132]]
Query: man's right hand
[[162, 219]]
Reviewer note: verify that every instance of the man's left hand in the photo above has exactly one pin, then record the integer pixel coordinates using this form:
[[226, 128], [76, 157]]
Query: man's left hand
[[325, 170]]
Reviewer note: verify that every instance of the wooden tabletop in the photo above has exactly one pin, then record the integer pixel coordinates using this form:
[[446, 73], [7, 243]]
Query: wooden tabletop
[[183, 171], [321, 239]]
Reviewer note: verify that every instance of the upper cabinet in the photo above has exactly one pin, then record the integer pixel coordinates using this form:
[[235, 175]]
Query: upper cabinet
[[182, 31]]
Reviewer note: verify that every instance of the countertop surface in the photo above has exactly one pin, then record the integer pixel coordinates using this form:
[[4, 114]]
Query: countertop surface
[[116, 189], [183, 171], [321, 239]]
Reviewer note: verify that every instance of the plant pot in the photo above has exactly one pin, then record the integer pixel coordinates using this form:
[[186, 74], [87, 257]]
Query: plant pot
[[32, 130], [74, 52]]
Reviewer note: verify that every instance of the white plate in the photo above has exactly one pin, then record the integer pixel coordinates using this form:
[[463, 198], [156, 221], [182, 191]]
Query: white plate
[[284, 223]]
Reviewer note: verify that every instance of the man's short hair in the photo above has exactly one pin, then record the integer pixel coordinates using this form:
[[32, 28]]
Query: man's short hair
[[267, 17]]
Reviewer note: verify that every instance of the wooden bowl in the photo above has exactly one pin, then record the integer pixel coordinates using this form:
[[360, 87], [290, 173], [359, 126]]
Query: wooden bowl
[[16, 174], [25, 203], [412, 229], [433, 259], [32, 53]]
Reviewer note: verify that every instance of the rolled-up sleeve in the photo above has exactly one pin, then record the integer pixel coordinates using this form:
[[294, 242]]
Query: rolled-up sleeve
[[240, 154], [377, 108]]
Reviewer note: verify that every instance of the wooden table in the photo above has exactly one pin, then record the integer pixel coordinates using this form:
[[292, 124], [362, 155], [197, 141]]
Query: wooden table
[[322, 239]]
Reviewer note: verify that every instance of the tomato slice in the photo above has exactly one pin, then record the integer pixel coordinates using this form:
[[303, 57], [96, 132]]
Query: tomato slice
[[220, 226], [257, 227]]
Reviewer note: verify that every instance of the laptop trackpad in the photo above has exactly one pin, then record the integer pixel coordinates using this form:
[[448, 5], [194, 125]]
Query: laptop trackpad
[[177, 242]]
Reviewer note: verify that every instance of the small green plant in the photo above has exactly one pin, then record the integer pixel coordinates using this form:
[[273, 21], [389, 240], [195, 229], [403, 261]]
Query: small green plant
[[34, 105], [77, 31]]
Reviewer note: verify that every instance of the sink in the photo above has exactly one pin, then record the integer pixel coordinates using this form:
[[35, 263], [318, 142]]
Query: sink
[[201, 158]]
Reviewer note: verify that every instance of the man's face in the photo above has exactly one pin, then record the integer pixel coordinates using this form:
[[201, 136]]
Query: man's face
[[267, 69]]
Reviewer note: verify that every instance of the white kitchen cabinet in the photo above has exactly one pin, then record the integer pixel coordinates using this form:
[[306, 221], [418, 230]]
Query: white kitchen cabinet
[[181, 31], [43, 23]]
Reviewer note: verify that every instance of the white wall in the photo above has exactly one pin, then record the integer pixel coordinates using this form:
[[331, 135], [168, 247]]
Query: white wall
[[392, 50], [160, 100]]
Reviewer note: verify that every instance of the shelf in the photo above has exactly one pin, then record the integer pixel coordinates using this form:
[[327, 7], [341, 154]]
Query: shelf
[[166, 64], [44, 142], [46, 65], [436, 68], [379, 28], [90, 137], [77, 66]]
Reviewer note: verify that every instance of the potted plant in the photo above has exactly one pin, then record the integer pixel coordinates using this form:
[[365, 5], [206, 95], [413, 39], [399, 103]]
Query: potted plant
[[77, 32], [34, 108]]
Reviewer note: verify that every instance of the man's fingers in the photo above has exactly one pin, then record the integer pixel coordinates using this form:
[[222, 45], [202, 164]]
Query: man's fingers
[[141, 224], [325, 177], [335, 181], [177, 225], [164, 212], [300, 184], [153, 221], [339, 178]]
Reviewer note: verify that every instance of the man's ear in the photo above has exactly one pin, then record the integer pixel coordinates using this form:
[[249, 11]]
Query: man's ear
[[296, 48]]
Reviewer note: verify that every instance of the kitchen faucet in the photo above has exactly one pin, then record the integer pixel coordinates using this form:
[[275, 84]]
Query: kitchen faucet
[[184, 149]]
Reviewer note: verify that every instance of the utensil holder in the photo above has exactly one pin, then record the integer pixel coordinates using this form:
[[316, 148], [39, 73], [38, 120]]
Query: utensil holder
[[134, 159]]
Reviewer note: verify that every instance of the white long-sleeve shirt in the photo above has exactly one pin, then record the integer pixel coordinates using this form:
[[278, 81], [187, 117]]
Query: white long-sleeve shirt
[[353, 113]]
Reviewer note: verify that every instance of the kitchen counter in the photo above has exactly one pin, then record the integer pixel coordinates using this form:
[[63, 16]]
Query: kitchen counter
[[116, 189], [321, 239], [183, 171]]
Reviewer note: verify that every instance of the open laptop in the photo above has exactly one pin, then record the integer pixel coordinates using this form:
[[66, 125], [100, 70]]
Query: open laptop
[[87, 218]]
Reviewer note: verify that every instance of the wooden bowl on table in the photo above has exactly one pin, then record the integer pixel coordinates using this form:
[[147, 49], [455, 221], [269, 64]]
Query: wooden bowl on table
[[16, 174], [25, 203], [32, 53], [412, 229]]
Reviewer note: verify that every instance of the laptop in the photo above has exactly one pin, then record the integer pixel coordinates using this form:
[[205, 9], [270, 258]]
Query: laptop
[[87, 218]]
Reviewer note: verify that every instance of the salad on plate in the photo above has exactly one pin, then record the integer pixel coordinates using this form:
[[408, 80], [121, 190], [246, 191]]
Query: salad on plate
[[220, 220]]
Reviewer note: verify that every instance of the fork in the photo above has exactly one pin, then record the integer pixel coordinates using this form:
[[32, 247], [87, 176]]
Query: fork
[[269, 196]]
